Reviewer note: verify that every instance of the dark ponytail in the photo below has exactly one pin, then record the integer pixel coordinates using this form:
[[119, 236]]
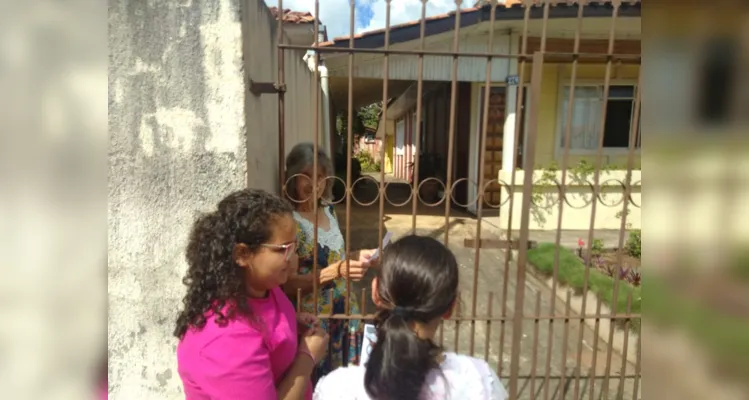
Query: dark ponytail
[[213, 279], [417, 282]]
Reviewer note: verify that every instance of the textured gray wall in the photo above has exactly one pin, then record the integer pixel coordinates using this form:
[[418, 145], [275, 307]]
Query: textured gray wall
[[177, 145]]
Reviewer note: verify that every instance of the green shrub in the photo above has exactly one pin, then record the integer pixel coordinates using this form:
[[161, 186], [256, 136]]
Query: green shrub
[[597, 247], [634, 243], [367, 161]]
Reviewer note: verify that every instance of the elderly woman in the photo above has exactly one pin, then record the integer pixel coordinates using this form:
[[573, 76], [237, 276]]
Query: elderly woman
[[345, 336]]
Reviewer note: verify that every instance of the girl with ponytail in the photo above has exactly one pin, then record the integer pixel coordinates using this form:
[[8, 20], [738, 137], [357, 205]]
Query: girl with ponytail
[[416, 287]]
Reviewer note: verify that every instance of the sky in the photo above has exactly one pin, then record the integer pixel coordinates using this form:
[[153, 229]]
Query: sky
[[369, 14]]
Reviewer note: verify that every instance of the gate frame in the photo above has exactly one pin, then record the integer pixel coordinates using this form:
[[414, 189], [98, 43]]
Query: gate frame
[[523, 244]]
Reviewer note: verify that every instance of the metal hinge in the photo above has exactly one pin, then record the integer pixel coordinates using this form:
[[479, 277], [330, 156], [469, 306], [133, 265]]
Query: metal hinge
[[258, 88]]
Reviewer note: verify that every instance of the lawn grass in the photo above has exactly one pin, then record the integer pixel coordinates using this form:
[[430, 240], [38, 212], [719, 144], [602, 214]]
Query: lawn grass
[[572, 273]]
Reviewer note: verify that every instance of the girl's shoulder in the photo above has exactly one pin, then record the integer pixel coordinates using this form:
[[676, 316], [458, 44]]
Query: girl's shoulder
[[473, 374], [459, 377], [342, 383]]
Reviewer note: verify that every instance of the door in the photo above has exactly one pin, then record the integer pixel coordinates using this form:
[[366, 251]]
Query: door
[[493, 147]]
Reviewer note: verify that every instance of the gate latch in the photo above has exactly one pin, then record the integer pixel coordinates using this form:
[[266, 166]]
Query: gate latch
[[258, 88]]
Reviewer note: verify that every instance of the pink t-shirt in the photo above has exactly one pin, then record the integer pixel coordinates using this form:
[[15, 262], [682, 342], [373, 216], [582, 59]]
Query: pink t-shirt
[[239, 360]]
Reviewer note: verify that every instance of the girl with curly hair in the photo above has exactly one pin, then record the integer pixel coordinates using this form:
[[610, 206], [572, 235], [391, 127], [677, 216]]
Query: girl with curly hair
[[332, 271], [238, 331]]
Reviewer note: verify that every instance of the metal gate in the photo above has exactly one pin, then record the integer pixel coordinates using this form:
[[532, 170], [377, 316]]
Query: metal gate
[[522, 315]]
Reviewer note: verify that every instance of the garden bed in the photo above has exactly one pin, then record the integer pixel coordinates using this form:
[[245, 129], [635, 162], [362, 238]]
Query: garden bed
[[601, 280]]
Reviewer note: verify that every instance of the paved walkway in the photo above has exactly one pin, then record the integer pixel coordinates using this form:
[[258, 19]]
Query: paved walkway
[[493, 277]]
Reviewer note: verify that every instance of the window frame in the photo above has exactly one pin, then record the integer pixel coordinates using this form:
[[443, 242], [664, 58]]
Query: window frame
[[560, 128]]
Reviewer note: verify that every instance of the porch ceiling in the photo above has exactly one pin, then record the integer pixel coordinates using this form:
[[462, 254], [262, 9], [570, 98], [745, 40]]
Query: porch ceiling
[[365, 91]]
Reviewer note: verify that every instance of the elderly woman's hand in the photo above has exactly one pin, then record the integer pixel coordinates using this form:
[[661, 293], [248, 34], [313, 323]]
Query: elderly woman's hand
[[353, 269], [365, 257]]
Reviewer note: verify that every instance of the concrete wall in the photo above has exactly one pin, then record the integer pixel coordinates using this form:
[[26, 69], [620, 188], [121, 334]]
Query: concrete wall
[[184, 131], [578, 200], [177, 145]]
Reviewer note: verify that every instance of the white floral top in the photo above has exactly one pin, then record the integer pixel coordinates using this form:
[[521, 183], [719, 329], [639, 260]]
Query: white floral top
[[465, 378]]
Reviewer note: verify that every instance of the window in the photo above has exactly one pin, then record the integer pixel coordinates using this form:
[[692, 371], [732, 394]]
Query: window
[[586, 117], [369, 137], [400, 136]]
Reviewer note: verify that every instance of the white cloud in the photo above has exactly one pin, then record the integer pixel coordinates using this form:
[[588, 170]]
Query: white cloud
[[402, 11], [335, 13]]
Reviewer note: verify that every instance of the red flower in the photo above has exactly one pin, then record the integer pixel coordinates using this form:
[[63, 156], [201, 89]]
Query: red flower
[[580, 243]]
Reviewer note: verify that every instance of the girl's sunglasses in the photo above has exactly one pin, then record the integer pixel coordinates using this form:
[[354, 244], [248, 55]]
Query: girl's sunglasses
[[288, 249]]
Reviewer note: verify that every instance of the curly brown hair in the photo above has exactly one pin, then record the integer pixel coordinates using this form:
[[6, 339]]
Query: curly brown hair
[[215, 283]]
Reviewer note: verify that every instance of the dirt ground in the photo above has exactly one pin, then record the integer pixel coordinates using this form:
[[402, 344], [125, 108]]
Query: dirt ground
[[548, 347]]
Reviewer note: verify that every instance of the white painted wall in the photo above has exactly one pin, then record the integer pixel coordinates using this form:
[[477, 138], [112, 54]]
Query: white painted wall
[[477, 92]]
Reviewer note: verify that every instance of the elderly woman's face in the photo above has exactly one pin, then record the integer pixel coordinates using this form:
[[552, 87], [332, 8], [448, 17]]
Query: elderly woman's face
[[304, 184]]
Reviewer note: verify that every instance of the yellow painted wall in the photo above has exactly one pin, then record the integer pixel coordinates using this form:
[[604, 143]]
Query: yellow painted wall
[[553, 75]]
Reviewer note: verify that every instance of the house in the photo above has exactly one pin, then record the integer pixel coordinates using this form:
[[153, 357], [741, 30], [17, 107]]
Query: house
[[299, 26], [501, 154], [369, 142], [299, 30]]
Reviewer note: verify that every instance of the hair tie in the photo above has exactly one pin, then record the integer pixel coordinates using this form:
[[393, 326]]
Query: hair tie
[[401, 311]]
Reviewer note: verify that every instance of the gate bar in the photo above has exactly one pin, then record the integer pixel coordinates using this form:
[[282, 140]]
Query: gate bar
[[562, 192], [419, 94], [385, 75], [519, 110], [480, 189], [452, 122], [633, 133], [281, 99], [349, 144], [467, 54], [536, 77]]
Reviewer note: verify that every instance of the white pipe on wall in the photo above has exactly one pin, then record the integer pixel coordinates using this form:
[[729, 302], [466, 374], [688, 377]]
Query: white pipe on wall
[[325, 108], [324, 86]]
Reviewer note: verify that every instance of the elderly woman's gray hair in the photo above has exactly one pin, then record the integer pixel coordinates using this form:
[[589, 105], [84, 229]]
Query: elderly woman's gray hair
[[301, 157]]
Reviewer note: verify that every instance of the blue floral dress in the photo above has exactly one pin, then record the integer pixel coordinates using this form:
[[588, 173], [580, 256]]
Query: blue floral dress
[[345, 336]]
